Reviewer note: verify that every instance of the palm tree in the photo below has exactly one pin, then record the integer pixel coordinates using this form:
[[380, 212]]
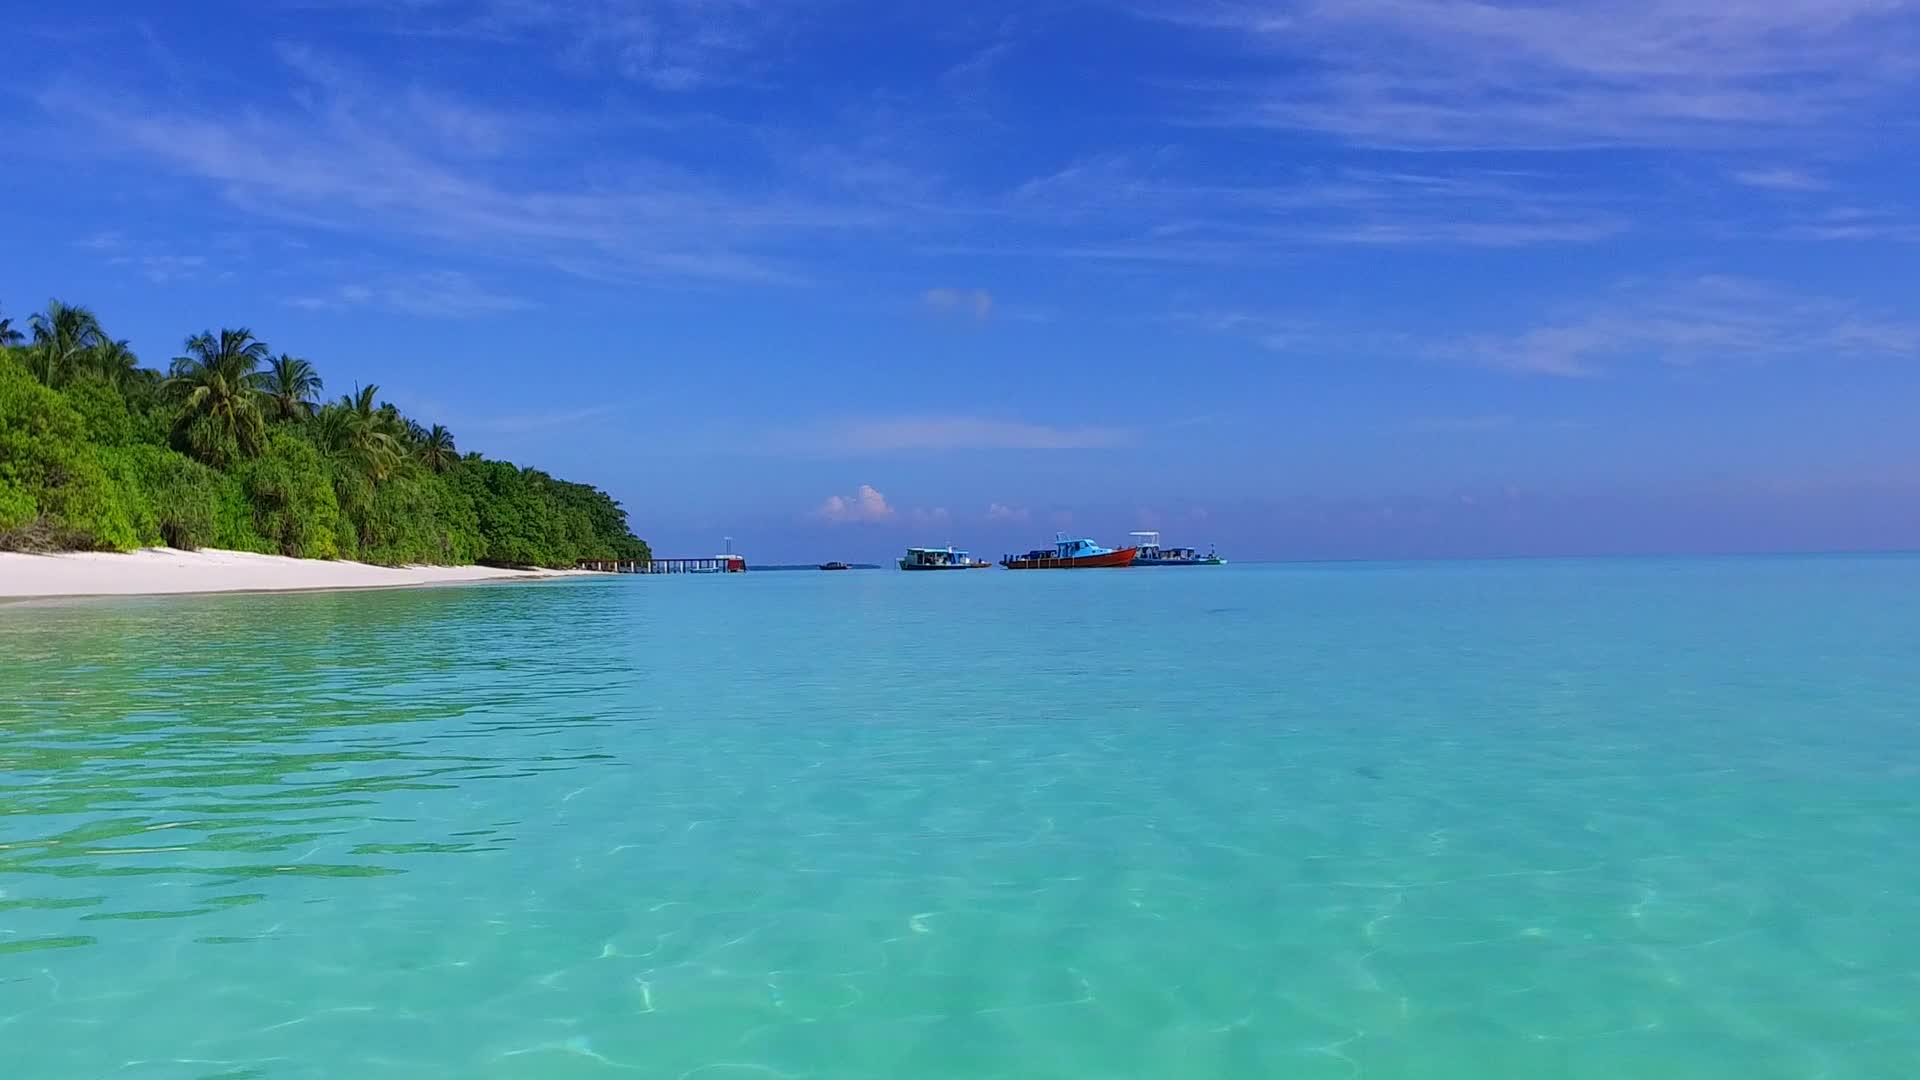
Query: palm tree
[[361, 401], [334, 429], [292, 387], [143, 388], [115, 362], [62, 336], [8, 335], [366, 434], [398, 428], [217, 383], [435, 449]]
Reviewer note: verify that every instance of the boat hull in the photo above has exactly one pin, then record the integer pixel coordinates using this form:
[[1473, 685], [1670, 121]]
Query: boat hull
[[905, 565], [1179, 562], [1123, 557]]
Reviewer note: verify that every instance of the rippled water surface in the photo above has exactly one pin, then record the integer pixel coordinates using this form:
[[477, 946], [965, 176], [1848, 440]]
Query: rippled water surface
[[1555, 819]]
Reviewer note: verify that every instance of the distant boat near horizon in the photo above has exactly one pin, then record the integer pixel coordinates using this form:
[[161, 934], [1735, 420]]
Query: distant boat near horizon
[[946, 558], [1071, 553], [1153, 554], [835, 566]]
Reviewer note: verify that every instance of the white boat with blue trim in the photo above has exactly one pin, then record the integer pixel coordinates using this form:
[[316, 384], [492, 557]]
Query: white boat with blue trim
[[1153, 554], [946, 558]]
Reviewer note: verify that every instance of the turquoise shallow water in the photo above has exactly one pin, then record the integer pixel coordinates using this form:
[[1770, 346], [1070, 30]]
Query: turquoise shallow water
[[1531, 819]]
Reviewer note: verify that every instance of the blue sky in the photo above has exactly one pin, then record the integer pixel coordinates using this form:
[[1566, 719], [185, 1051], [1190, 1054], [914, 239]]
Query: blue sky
[[1372, 279]]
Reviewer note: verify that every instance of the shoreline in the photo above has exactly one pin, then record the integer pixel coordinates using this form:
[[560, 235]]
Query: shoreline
[[89, 575]]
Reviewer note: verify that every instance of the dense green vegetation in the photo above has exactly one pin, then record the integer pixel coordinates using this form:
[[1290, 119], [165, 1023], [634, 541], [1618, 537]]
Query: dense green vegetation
[[233, 448]]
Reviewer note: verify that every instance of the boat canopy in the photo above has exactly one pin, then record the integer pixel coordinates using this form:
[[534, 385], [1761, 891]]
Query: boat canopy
[[936, 556], [1076, 546]]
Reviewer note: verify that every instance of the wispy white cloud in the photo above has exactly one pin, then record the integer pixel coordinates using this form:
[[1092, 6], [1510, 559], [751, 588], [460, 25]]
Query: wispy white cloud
[[970, 74], [1705, 320], [343, 296], [1859, 223], [447, 294], [1461, 424], [1176, 212], [865, 506], [1151, 180], [560, 419], [671, 45], [1780, 179], [951, 433], [163, 269], [1003, 512], [1290, 333], [1500, 73], [1274, 332], [354, 153], [1472, 425], [1675, 322], [104, 240], [977, 303], [441, 294]]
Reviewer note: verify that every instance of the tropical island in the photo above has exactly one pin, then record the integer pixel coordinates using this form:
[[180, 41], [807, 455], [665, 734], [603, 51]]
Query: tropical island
[[234, 447]]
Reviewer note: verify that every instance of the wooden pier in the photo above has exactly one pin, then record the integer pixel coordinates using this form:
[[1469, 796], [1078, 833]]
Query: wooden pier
[[712, 564]]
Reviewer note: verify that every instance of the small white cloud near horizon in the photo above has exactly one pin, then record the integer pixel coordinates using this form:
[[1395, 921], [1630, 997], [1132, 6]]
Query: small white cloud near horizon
[[1003, 512], [975, 302], [865, 506]]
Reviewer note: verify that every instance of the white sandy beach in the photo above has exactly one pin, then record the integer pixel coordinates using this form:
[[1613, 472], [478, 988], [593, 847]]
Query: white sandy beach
[[156, 571]]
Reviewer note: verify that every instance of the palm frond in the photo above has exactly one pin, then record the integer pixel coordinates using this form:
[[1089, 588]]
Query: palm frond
[[222, 393]]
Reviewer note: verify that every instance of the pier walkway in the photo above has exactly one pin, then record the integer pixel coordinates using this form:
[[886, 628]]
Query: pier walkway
[[713, 564]]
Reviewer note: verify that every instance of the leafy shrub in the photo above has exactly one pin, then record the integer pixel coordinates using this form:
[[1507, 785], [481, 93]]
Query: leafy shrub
[[233, 526], [97, 503], [40, 437], [55, 486], [103, 412], [184, 497], [291, 491], [418, 518]]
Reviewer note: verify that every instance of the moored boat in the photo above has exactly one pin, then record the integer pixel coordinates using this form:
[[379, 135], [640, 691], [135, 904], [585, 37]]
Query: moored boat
[[946, 558], [834, 566], [1070, 553], [1153, 554]]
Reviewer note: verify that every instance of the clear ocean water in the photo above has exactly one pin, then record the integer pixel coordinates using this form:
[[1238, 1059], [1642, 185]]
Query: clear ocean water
[[1609, 819]]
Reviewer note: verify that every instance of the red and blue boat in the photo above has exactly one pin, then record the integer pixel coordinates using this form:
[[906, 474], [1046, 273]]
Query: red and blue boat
[[1070, 553]]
